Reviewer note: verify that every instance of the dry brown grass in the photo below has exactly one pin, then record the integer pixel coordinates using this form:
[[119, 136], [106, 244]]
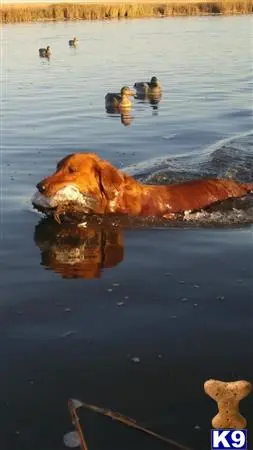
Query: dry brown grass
[[80, 11]]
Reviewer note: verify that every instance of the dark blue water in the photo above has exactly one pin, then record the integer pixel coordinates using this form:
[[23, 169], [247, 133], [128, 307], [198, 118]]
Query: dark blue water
[[75, 309]]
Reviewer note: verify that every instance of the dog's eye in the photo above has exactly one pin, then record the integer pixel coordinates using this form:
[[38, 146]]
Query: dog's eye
[[71, 169]]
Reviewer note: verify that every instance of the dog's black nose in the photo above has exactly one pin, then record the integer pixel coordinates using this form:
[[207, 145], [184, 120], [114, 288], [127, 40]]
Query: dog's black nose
[[41, 187]]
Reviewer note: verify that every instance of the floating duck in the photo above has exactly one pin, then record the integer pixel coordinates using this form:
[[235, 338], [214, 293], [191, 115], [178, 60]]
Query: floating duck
[[73, 42], [45, 52], [146, 88], [117, 101]]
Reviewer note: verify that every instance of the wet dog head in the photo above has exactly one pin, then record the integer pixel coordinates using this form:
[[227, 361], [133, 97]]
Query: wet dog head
[[83, 178]]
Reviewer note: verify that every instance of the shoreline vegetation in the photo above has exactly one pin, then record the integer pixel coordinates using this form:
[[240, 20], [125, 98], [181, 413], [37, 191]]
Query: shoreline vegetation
[[35, 12]]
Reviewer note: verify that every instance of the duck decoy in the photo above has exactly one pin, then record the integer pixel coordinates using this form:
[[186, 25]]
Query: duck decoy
[[73, 42], [45, 52], [146, 88], [117, 101]]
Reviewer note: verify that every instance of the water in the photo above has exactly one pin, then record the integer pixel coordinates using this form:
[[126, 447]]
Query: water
[[178, 299]]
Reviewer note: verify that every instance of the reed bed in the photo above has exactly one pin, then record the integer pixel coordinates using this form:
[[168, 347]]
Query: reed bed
[[80, 11]]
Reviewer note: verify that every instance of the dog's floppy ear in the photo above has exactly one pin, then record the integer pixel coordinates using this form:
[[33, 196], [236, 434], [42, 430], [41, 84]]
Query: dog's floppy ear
[[110, 179]]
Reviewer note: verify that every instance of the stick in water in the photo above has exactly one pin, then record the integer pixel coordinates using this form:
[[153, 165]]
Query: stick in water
[[115, 416], [76, 423]]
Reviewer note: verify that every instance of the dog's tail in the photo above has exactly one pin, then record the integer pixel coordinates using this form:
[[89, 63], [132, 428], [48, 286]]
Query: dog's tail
[[248, 186]]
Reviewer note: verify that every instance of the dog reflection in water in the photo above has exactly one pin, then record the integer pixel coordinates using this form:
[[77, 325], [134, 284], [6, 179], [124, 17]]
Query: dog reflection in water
[[78, 252]]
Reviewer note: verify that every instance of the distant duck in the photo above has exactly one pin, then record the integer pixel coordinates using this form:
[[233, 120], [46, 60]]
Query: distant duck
[[73, 42], [45, 52], [120, 100], [146, 88]]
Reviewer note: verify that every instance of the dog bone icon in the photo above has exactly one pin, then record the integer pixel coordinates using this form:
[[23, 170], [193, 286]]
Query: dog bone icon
[[228, 395]]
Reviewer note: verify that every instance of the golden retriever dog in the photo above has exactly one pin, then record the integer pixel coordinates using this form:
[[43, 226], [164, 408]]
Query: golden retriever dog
[[103, 189]]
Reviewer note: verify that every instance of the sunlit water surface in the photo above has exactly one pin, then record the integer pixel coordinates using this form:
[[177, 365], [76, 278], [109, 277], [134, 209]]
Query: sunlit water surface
[[134, 320]]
